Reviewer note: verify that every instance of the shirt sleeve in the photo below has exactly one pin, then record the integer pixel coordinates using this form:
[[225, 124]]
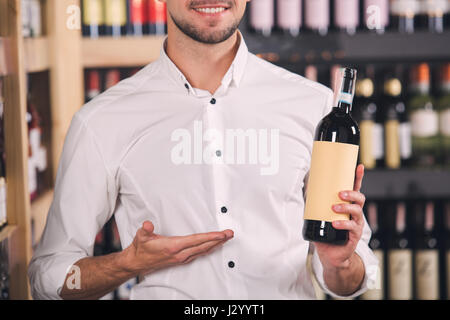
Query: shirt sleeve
[[84, 200]]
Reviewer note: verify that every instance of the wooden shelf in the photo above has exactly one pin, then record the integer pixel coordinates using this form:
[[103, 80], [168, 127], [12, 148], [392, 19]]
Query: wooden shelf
[[120, 52], [39, 211], [406, 184], [36, 54], [7, 232]]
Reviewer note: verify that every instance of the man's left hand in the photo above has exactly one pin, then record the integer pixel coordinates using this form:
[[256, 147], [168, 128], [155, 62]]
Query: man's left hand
[[339, 256]]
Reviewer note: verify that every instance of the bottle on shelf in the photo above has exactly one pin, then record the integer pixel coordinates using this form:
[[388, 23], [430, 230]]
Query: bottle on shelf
[[92, 11], [365, 114], [346, 15], [424, 119], [93, 84], [157, 17], [377, 244], [262, 16], [25, 17], [426, 255], [35, 18], [4, 270], [443, 106], [136, 17], [403, 15], [289, 16], [447, 246], [317, 16], [396, 127], [115, 17], [337, 138], [431, 15], [399, 255], [376, 15], [112, 77]]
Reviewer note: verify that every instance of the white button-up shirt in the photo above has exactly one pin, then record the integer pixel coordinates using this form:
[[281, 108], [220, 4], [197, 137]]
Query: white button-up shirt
[[155, 148]]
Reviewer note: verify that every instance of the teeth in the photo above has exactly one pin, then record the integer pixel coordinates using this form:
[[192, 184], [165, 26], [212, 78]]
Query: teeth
[[210, 10]]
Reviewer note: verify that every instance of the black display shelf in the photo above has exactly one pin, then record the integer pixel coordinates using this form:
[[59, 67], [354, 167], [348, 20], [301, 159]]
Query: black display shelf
[[407, 184]]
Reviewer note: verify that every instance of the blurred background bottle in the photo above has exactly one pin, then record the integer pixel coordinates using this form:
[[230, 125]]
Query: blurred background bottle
[[289, 16], [443, 106], [424, 119], [317, 16]]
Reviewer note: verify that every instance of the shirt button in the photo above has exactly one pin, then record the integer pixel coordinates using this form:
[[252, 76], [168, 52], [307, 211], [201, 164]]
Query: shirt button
[[218, 153], [213, 101], [186, 86], [231, 264], [224, 209]]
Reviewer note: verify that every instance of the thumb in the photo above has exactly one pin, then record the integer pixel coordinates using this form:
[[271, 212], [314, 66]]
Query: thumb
[[145, 233]]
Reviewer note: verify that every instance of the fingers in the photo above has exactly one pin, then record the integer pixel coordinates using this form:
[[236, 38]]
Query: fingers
[[184, 242], [353, 196], [354, 210], [349, 225], [358, 177], [189, 254]]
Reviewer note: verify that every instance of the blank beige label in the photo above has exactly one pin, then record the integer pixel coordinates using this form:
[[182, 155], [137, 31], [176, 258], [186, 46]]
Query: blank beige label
[[400, 274], [427, 274], [377, 293], [332, 170]]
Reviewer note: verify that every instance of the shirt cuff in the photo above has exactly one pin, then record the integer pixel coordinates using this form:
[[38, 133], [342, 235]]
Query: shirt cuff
[[371, 269], [47, 277]]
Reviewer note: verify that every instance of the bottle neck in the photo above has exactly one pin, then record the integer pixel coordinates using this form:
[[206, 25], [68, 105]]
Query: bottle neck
[[344, 107], [422, 88]]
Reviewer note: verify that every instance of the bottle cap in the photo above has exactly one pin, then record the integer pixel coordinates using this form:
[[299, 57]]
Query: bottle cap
[[421, 73]]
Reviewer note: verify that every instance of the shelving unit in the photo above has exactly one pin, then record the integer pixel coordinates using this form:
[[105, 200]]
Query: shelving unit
[[36, 54]]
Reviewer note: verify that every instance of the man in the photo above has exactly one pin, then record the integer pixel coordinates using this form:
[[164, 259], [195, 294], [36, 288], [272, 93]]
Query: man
[[201, 158]]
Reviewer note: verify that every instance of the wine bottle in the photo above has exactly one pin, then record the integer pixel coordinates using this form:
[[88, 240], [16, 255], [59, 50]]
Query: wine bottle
[[317, 16], [93, 84], [26, 18], [337, 138], [4, 270], [377, 244], [311, 73], [136, 17], [443, 106], [346, 15], [35, 18], [447, 246], [262, 16], [115, 17], [289, 16], [366, 107], [432, 15], [399, 256], [426, 258], [376, 15], [92, 17], [3, 214], [424, 119], [33, 134], [112, 77], [403, 15], [157, 17]]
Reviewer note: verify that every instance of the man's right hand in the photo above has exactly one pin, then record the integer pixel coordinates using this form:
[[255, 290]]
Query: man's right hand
[[150, 251]]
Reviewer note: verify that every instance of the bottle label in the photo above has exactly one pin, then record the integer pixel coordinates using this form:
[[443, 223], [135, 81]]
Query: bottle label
[[405, 140], [376, 289], [400, 274], [376, 14], [261, 14], [405, 7], [157, 12], [444, 122], [289, 13], [424, 123], [392, 144], [332, 170], [346, 13], [317, 14], [427, 274], [115, 12], [92, 12], [378, 146], [367, 154]]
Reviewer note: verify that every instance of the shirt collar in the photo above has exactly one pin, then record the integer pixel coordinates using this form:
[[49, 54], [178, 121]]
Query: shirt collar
[[232, 77]]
